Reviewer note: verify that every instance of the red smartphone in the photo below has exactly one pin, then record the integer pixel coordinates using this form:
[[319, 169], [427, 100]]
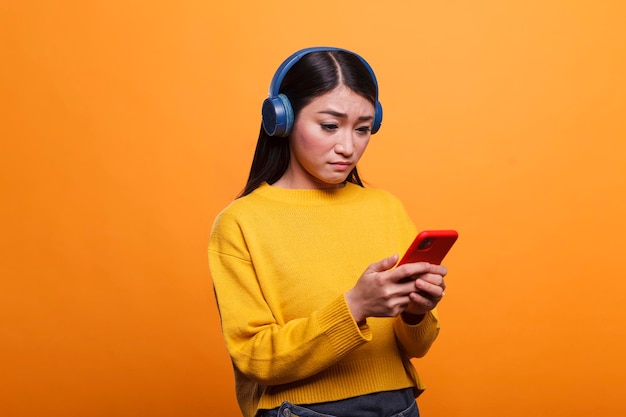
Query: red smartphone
[[430, 246]]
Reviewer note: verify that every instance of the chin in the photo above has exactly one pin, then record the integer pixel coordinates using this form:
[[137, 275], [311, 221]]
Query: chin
[[323, 184]]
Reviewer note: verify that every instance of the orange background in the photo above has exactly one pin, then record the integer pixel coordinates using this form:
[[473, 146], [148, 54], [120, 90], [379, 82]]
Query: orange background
[[126, 127]]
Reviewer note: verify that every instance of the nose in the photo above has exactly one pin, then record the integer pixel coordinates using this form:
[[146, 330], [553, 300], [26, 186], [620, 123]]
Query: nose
[[345, 143]]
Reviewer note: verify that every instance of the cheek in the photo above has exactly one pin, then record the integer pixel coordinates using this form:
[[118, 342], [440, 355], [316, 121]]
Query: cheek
[[362, 145], [309, 142]]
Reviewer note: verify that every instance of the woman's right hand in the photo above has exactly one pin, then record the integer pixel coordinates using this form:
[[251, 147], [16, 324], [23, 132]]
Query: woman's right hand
[[384, 291]]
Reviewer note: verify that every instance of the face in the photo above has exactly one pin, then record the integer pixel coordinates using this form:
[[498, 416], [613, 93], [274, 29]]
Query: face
[[329, 137]]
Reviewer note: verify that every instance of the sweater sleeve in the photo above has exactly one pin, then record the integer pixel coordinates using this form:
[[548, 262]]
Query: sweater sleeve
[[417, 339], [264, 350]]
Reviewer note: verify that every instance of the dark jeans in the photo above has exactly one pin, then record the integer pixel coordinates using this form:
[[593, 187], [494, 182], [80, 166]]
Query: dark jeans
[[290, 410]]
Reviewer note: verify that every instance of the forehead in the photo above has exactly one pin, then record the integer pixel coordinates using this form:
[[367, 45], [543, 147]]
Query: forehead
[[343, 98]]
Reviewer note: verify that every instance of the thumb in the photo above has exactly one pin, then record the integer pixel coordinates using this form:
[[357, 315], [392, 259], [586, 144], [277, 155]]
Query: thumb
[[384, 264]]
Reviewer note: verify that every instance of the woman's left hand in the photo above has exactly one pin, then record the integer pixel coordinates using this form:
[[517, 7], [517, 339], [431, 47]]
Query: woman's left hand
[[429, 290]]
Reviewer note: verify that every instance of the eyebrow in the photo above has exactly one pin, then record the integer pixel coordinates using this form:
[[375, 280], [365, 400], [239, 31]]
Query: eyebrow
[[344, 115]]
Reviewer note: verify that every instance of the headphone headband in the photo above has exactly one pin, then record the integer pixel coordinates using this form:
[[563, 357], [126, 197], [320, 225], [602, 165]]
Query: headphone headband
[[277, 113]]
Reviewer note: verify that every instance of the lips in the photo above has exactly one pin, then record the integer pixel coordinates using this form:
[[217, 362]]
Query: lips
[[341, 164]]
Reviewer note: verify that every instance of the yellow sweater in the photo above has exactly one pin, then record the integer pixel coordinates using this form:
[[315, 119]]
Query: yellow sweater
[[281, 261]]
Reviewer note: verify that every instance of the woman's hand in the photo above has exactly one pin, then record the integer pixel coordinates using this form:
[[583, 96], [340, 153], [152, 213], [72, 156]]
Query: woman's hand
[[385, 292], [430, 289]]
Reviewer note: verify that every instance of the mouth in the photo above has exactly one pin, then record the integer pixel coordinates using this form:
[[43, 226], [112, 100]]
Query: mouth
[[342, 165]]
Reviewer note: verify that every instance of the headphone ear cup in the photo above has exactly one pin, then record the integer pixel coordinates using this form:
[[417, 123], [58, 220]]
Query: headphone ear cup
[[277, 116], [378, 117]]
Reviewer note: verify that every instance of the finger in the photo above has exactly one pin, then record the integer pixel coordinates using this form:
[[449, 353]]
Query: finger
[[421, 304], [433, 279], [435, 291], [414, 269], [384, 264], [438, 270], [409, 272], [425, 300]]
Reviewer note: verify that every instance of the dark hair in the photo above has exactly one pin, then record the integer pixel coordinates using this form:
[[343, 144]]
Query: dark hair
[[314, 75]]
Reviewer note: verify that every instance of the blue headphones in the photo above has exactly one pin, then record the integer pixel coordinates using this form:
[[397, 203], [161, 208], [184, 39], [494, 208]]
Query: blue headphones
[[277, 113]]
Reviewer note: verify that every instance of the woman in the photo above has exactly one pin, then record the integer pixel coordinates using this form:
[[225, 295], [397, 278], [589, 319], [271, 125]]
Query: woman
[[315, 317]]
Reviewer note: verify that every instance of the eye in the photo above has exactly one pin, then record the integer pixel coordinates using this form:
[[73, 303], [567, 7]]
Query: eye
[[329, 126], [363, 129]]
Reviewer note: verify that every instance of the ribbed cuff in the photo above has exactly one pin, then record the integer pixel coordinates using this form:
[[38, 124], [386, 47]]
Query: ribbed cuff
[[417, 339], [338, 325]]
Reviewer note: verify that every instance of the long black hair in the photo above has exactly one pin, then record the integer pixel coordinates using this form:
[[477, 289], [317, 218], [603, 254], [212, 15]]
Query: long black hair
[[314, 75]]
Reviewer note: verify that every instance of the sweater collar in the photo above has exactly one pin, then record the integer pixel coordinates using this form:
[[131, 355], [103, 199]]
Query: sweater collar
[[309, 197]]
